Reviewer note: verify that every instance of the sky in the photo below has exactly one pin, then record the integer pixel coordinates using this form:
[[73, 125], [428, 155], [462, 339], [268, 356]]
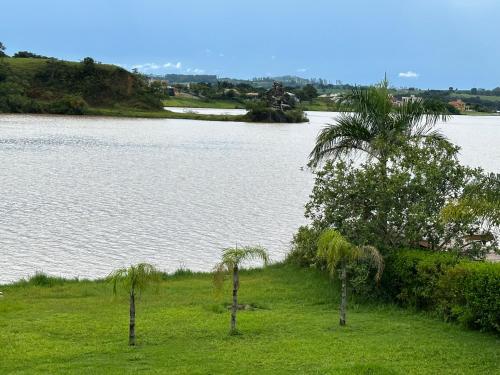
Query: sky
[[418, 43]]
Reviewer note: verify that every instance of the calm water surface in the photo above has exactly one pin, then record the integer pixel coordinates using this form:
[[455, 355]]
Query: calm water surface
[[81, 196]]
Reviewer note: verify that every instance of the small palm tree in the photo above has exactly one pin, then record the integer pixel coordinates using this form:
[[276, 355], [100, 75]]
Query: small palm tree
[[134, 279], [338, 253], [230, 263]]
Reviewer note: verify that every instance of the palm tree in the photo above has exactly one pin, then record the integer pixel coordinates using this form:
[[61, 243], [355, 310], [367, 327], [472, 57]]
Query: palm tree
[[338, 253], [372, 124], [134, 279], [230, 263]]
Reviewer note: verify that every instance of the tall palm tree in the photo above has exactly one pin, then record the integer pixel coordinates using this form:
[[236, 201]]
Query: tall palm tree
[[372, 124], [338, 253], [134, 279], [230, 263]]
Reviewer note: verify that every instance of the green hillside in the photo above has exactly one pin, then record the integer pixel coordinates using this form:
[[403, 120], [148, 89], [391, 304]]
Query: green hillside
[[38, 85]]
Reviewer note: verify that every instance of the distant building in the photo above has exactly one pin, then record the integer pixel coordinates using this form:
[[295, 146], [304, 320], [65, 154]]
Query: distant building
[[411, 99], [252, 95], [459, 104]]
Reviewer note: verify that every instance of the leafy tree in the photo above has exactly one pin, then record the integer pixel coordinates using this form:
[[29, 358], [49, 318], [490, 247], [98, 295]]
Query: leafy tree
[[134, 279], [479, 205], [420, 180], [308, 92], [338, 253], [2, 50], [230, 263], [373, 125]]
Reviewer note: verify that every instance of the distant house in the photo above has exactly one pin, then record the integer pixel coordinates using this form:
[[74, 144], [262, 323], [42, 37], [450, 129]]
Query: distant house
[[410, 99], [395, 102], [459, 104], [252, 95]]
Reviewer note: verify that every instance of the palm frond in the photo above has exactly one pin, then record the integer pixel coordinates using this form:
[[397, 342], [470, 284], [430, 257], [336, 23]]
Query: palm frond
[[136, 277], [233, 257], [376, 259], [334, 249], [351, 132]]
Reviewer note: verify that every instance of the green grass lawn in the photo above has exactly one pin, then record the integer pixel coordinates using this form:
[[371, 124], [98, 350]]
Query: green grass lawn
[[199, 103], [80, 328]]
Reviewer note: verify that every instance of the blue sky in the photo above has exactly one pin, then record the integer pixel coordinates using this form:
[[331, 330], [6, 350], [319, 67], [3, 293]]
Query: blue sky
[[421, 43]]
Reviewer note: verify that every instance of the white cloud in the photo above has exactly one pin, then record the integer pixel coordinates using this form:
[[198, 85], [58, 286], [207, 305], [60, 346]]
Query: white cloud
[[177, 65], [146, 66], [302, 70], [154, 66], [408, 74]]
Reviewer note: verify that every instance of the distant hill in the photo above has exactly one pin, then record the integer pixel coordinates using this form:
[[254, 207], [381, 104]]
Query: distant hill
[[188, 78], [42, 85]]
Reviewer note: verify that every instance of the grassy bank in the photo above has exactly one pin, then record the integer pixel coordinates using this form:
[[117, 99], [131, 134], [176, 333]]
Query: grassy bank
[[178, 101], [129, 112], [79, 328]]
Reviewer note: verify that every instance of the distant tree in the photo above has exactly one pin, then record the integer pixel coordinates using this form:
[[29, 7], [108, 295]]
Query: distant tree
[[473, 91], [134, 279], [27, 54], [230, 263], [88, 61], [338, 253], [88, 65], [450, 88], [2, 50], [308, 92]]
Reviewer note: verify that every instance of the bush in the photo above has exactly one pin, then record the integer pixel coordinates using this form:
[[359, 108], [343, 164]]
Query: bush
[[68, 105], [457, 289], [304, 247], [470, 293], [412, 276], [259, 111]]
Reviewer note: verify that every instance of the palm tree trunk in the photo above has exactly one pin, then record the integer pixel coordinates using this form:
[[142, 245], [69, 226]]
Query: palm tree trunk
[[234, 307], [131, 334], [343, 298]]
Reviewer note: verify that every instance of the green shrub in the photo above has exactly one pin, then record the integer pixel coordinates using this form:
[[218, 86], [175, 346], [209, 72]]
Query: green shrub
[[412, 276], [304, 247], [259, 111], [43, 280], [470, 293], [68, 105], [459, 290]]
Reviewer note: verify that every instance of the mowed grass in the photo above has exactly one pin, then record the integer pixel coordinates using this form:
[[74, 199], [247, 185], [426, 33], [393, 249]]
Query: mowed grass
[[182, 328], [178, 101]]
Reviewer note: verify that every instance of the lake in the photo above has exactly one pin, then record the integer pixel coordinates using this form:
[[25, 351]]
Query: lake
[[81, 196]]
